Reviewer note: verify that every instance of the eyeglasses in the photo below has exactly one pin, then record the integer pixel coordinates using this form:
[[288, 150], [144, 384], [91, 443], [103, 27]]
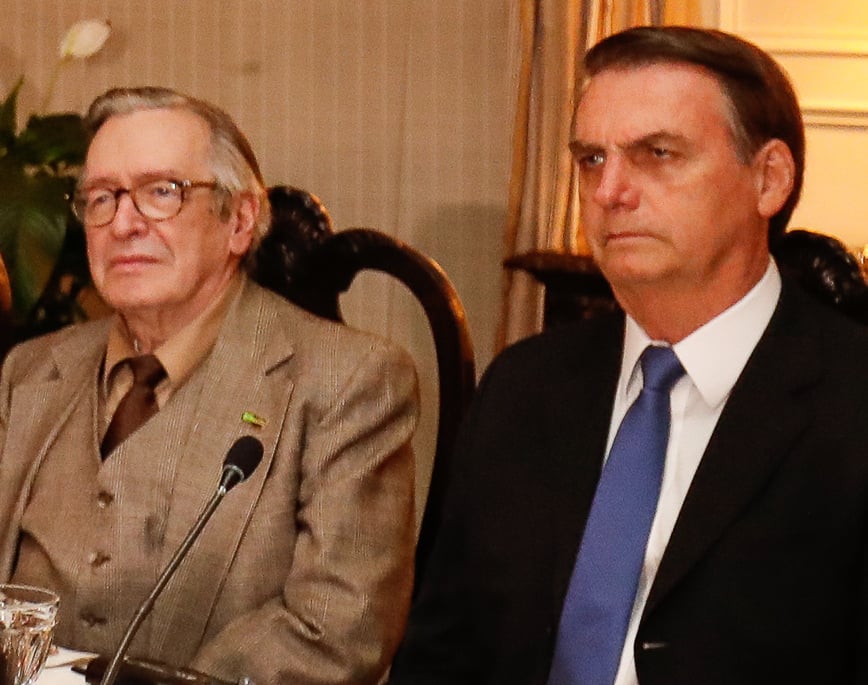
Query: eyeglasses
[[156, 200]]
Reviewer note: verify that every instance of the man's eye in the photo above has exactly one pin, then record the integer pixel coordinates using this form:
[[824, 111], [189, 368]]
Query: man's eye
[[161, 190], [661, 152], [592, 160], [97, 198]]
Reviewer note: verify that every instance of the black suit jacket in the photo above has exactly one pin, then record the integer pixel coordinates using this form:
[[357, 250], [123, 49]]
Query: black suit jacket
[[765, 577]]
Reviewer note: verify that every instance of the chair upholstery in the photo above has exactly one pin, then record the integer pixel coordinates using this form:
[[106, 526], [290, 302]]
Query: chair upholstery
[[303, 259]]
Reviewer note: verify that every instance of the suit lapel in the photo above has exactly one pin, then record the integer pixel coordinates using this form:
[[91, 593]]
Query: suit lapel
[[242, 374], [578, 421], [40, 408], [746, 447]]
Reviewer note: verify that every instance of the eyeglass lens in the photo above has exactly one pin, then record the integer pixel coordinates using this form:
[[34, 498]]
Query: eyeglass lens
[[156, 200]]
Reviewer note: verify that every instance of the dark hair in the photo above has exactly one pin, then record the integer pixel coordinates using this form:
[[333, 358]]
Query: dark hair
[[760, 97]]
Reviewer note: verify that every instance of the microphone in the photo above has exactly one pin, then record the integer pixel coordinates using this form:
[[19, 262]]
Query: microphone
[[241, 461]]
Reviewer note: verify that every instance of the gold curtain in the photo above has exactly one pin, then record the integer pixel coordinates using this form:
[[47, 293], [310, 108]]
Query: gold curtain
[[543, 195]]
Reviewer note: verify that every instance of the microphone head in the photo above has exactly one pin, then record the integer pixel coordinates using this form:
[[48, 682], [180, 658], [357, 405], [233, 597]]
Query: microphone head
[[242, 459]]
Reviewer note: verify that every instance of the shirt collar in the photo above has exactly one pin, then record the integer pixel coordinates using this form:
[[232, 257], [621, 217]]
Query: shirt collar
[[181, 353], [714, 355]]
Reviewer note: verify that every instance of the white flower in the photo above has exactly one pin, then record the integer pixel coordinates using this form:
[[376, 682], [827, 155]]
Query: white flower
[[84, 38]]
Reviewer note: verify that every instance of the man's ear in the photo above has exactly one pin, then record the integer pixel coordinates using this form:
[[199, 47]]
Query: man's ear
[[245, 210], [776, 173]]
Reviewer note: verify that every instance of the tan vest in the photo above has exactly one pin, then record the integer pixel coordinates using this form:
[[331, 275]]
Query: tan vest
[[94, 531]]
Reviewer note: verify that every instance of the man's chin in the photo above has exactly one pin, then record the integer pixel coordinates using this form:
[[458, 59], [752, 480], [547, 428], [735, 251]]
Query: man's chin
[[132, 300], [631, 269]]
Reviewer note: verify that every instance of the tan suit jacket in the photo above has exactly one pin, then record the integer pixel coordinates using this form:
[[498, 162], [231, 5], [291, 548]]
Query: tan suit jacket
[[304, 573]]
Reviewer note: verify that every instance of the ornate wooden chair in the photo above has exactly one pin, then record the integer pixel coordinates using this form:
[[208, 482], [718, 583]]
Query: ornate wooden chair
[[824, 267], [303, 259]]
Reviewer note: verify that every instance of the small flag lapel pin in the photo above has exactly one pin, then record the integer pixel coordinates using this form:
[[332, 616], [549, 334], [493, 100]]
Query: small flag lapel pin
[[253, 419]]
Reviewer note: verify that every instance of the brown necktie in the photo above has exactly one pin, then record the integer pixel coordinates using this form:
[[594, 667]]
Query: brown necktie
[[138, 405]]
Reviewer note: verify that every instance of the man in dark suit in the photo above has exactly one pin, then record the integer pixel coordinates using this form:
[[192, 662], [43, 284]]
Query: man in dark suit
[[690, 153]]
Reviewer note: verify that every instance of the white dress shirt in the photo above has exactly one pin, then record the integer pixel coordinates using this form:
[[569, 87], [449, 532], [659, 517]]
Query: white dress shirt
[[713, 357]]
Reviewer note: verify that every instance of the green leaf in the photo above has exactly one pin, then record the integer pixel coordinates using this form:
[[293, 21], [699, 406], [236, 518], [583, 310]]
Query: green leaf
[[33, 219], [36, 242], [53, 140]]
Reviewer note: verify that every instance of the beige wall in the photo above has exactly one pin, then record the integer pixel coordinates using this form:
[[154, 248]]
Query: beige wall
[[397, 113]]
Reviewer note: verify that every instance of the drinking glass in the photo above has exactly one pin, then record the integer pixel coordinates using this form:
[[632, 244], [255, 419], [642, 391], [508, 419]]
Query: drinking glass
[[27, 618]]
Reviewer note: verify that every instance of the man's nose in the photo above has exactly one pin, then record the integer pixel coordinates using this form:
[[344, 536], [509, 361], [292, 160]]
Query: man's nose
[[128, 219], [617, 184]]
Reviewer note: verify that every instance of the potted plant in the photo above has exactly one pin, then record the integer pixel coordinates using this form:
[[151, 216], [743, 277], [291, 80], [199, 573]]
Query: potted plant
[[41, 242]]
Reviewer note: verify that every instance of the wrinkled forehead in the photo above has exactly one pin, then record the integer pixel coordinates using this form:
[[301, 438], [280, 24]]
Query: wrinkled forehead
[[652, 72], [149, 142], [638, 99]]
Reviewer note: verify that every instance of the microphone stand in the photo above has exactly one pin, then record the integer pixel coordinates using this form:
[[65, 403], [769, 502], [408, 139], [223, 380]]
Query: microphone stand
[[114, 665]]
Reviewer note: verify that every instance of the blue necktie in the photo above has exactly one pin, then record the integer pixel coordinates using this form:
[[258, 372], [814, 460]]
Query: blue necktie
[[603, 586]]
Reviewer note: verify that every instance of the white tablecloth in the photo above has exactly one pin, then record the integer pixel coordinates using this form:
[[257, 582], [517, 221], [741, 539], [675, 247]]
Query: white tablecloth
[[58, 668]]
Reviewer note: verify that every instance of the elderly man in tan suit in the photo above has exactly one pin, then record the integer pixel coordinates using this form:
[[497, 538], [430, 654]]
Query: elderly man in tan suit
[[304, 573]]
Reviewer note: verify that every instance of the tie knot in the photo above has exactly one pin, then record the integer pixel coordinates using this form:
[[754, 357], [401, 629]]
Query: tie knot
[[660, 368], [147, 370]]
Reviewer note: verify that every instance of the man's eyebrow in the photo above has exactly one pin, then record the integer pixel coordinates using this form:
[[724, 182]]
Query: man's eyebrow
[[106, 181], [653, 139], [580, 147]]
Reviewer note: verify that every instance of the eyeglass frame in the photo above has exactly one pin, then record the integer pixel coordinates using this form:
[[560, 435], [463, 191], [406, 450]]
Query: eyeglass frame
[[184, 186]]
